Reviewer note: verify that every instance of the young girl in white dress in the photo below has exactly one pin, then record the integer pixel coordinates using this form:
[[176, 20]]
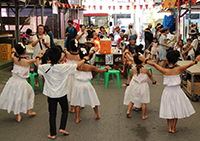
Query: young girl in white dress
[[83, 93], [72, 58], [154, 48], [138, 88], [18, 95], [174, 103]]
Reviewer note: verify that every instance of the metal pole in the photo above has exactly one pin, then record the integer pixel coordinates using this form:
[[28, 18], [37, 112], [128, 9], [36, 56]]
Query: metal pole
[[17, 20], [52, 24], [36, 18], [189, 18], [42, 12], [58, 24], [179, 20], [1, 18]]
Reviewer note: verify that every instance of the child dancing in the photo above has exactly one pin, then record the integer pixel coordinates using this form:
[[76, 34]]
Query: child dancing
[[138, 88], [18, 95], [56, 87], [83, 93], [174, 103]]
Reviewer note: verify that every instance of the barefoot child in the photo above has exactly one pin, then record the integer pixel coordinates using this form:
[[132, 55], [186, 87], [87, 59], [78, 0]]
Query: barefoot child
[[138, 87], [18, 95], [55, 87], [83, 92], [174, 103], [154, 48], [72, 58], [125, 60]]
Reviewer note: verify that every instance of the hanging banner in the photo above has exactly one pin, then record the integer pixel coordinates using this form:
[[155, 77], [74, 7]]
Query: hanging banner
[[55, 7], [76, 24]]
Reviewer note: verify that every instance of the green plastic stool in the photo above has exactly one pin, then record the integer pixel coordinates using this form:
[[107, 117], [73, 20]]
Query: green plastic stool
[[117, 72], [104, 75], [31, 80], [150, 70]]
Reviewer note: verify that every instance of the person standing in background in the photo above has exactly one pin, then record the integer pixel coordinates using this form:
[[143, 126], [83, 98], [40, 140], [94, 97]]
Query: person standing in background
[[131, 31], [49, 32], [70, 33], [148, 35], [90, 31], [116, 34], [82, 35]]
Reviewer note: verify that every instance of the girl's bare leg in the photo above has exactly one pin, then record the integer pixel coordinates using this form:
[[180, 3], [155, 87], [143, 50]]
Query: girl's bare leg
[[144, 107], [157, 61], [97, 116], [169, 122], [77, 110], [124, 65], [31, 113], [19, 118], [72, 110], [129, 110], [174, 130]]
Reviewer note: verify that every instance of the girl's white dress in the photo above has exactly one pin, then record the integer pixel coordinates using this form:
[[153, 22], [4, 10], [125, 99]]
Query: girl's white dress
[[70, 81], [174, 103], [154, 48], [138, 90], [83, 92], [17, 95]]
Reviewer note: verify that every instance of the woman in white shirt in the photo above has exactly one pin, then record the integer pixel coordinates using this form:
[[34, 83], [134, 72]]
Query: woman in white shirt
[[82, 35]]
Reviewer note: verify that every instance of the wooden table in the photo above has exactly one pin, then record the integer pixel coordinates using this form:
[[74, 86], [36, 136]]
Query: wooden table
[[194, 70]]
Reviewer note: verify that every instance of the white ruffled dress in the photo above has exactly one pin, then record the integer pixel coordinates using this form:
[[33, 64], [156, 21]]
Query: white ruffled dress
[[83, 92], [70, 80], [138, 90], [174, 103], [17, 95]]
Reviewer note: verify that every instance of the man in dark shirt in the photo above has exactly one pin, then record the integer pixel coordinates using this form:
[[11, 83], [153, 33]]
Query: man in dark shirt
[[90, 31], [70, 33], [148, 35]]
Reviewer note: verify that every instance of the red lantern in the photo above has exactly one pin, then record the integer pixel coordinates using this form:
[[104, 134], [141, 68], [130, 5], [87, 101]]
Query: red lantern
[[162, 4], [144, 0], [94, 7], [83, 6], [141, 6], [113, 7], [77, 6], [55, 3], [89, 6], [67, 5], [146, 6], [195, 2], [128, 7], [186, 2], [169, 4], [135, 6], [109, 7], [100, 7], [60, 5], [153, 0], [120, 7], [154, 5], [134, 0], [183, 0], [129, 0], [72, 6], [177, 3]]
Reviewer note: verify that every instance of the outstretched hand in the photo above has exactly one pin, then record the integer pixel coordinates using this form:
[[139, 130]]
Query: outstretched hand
[[123, 85], [86, 57], [142, 58], [147, 51], [158, 84], [13, 49]]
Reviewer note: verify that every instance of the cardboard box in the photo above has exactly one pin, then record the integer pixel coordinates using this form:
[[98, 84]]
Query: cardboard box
[[5, 48], [5, 56], [196, 87]]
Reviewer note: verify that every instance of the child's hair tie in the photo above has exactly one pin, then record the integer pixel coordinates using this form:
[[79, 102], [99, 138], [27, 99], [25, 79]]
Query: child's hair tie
[[127, 84], [154, 82]]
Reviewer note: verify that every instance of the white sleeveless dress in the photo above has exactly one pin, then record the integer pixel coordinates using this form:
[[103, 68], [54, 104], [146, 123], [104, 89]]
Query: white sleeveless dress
[[174, 103], [83, 92], [70, 81], [17, 95], [138, 90]]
